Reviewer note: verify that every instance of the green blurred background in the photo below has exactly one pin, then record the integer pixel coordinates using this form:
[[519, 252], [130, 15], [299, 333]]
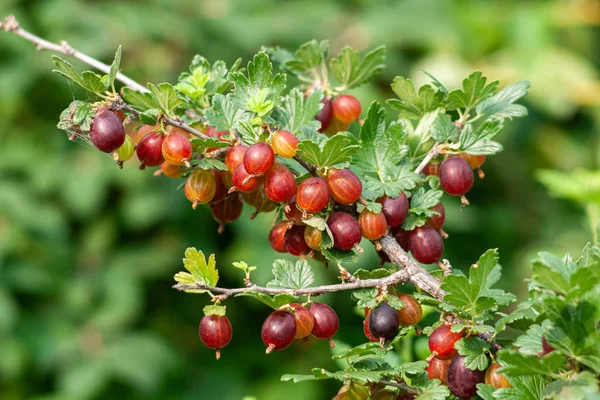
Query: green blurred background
[[87, 251]]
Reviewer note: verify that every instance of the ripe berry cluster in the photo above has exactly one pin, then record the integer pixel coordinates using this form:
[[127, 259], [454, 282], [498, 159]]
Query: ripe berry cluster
[[383, 322], [456, 173], [450, 368]]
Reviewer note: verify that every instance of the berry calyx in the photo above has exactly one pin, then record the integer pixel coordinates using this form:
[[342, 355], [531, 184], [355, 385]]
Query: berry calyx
[[494, 378], [200, 187], [463, 381], [344, 229], [395, 210], [215, 332], [294, 241], [177, 149], [426, 244], [305, 321], [313, 195], [442, 341], [326, 322], [277, 236], [125, 152], [258, 158], [280, 183], [235, 156], [285, 144], [278, 330], [149, 150], [313, 237], [344, 186], [438, 369], [411, 313], [293, 213], [226, 211], [325, 115], [456, 177], [383, 322], [107, 133], [346, 108], [372, 225], [243, 181]]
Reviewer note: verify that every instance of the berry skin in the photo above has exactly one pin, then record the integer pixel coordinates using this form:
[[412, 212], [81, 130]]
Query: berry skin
[[294, 241], [277, 236], [235, 156], [367, 330], [107, 133], [346, 108], [456, 177], [473, 161], [149, 150], [226, 211], [426, 244], [169, 170], [402, 237], [280, 183], [344, 185], [325, 115], [462, 381], [220, 189], [212, 132], [125, 152], [395, 210], [437, 221], [259, 200], [312, 195], [407, 396], [432, 169], [326, 322], [304, 320], [383, 322], [293, 213], [496, 379], [385, 394], [244, 182], [345, 230], [200, 187], [412, 312], [285, 144], [258, 158], [313, 237], [438, 369], [215, 332], [372, 225], [177, 149], [278, 330], [546, 348], [442, 341]]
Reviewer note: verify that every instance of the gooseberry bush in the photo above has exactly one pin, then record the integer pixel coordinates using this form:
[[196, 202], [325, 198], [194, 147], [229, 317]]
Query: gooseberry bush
[[333, 172]]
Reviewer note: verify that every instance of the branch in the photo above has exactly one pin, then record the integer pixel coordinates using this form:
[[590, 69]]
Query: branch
[[396, 277], [435, 151], [10, 24], [309, 167]]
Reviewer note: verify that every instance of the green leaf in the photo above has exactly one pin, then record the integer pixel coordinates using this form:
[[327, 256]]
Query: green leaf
[[474, 90], [93, 82], [150, 117], [413, 105], [530, 387], [200, 271], [78, 117], [66, 70], [320, 374], [517, 364], [209, 163], [480, 141], [363, 349], [365, 298], [583, 385], [201, 144], [224, 115], [166, 97], [474, 349], [291, 276], [139, 100], [502, 105], [259, 92], [334, 151], [486, 392], [395, 302], [425, 199], [114, 68], [338, 257], [214, 309], [296, 110], [275, 302], [444, 129], [351, 71], [434, 391], [308, 60]]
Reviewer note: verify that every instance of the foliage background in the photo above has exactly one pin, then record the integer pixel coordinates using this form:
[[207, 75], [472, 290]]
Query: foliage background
[[87, 252]]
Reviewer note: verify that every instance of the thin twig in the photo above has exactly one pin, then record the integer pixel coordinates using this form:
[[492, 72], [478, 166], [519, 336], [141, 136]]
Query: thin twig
[[400, 385], [435, 151], [10, 24], [309, 167]]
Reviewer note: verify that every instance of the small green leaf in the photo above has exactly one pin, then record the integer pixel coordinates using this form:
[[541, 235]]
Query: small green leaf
[[114, 68], [413, 105], [166, 97], [434, 391], [444, 129], [297, 110], [336, 256], [474, 90], [66, 70], [479, 141], [288, 275], [395, 302], [139, 100], [224, 115], [209, 163], [200, 271], [365, 298], [502, 105], [150, 117], [334, 151], [518, 364], [93, 82], [474, 349], [214, 309], [307, 60], [351, 71]]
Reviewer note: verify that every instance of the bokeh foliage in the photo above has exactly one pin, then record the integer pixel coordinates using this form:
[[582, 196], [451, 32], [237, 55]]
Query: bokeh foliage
[[87, 252]]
